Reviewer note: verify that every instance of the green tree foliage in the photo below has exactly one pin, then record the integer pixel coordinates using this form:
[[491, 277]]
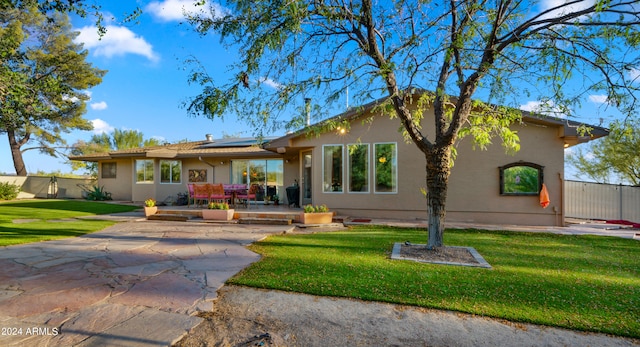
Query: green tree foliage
[[42, 81], [105, 143], [617, 154], [80, 7], [460, 50]]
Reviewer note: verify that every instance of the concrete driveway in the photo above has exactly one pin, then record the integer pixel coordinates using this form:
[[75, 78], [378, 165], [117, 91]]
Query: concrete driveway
[[133, 284]]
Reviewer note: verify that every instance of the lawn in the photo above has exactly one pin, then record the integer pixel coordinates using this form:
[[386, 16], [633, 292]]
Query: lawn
[[43, 220], [589, 283]]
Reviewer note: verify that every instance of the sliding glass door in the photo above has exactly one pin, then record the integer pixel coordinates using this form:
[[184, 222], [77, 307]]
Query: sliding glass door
[[267, 173]]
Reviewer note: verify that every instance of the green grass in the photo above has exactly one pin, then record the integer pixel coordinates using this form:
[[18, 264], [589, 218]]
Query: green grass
[[589, 283], [45, 220]]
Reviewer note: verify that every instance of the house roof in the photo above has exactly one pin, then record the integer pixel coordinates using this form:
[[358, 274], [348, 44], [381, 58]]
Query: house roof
[[570, 129], [250, 147], [231, 147]]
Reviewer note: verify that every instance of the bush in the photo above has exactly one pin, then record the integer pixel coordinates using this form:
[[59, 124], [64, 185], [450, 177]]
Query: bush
[[8, 191], [96, 193]]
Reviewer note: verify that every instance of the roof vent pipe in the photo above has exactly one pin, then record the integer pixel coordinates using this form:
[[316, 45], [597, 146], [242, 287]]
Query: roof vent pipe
[[209, 137], [307, 108]]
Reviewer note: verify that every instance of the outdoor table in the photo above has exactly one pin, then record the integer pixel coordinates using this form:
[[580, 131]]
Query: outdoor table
[[234, 191]]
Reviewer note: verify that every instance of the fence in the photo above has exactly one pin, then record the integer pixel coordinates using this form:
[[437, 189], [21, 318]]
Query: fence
[[49, 187], [602, 201]]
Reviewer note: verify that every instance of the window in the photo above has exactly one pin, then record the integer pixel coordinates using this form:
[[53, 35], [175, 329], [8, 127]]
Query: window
[[170, 171], [358, 168], [386, 168], [109, 170], [144, 171], [332, 168], [268, 172], [521, 179]]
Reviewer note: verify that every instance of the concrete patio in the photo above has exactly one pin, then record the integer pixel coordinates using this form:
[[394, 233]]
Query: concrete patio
[[133, 284]]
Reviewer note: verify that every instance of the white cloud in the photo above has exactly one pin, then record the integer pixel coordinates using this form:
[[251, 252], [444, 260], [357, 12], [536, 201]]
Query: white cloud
[[99, 106], [634, 74], [100, 126], [548, 108], [175, 10], [599, 99], [118, 41], [578, 6], [270, 83]]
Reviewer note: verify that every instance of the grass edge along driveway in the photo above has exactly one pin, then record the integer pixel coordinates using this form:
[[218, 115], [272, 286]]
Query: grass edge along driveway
[[29, 221], [586, 283]]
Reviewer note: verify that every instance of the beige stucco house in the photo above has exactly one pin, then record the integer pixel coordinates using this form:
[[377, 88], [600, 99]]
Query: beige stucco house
[[365, 170]]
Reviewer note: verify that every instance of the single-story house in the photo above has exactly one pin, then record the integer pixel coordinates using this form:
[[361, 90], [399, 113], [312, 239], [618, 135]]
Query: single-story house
[[365, 170]]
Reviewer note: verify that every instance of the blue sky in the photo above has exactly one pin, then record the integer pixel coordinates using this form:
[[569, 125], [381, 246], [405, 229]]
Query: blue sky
[[146, 81]]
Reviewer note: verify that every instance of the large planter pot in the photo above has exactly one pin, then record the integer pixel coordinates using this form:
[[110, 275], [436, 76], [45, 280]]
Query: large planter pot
[[148, 211], [218, 214], [316, 218]]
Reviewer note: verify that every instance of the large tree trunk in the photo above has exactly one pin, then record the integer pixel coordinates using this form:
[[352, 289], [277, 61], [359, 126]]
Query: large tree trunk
[[16, 154], [438, 170]]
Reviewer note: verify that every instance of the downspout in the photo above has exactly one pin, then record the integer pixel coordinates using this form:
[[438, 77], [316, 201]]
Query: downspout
[[561, 221], [213, 171]]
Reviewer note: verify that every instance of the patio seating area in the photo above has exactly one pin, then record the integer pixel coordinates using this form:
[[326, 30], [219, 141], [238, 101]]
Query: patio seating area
[[233, 194]]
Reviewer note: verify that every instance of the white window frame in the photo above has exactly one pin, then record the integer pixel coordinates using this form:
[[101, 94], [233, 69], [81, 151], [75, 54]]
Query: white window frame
[[171, 164], [324, 188], [135, 171], [394, 173], [368, 184]]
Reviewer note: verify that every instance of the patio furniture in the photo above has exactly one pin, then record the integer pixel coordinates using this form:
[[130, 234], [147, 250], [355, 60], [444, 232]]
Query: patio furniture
[[248, 195], [234, 190], [217, 193], [190, 197], [201, 192]]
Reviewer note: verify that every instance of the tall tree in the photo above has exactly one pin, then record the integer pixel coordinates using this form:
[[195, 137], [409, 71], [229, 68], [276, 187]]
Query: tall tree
[[617, 154], [43, 77], [104, 143], [82, 8], [460, 49]]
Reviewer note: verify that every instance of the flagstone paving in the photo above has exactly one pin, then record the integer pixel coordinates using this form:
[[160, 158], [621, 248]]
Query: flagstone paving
[[138, 283]]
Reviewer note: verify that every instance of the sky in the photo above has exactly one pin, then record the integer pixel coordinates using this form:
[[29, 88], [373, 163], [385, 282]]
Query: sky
[[146, 82]]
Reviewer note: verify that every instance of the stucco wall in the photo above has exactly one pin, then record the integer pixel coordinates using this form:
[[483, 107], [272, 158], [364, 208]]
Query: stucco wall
[[473, 195], [39, 186], [120, 186], [218, 170]]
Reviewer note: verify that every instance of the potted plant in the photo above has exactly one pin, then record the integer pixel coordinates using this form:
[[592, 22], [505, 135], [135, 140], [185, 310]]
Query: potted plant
[[276, 199], [150, 207], [316, 215], [218, 211]]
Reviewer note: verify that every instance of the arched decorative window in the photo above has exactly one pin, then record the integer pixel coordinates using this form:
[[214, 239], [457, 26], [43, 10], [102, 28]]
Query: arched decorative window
[[521, 178]]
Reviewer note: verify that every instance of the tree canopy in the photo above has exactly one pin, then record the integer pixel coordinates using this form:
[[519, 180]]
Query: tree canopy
[[43, 78], [80, 7], [615, 155], [104, 143], [472, 54]]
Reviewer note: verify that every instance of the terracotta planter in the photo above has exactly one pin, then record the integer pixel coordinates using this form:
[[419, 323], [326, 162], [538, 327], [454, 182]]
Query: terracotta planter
[[316, 218], [148, 211], [218, 214]]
